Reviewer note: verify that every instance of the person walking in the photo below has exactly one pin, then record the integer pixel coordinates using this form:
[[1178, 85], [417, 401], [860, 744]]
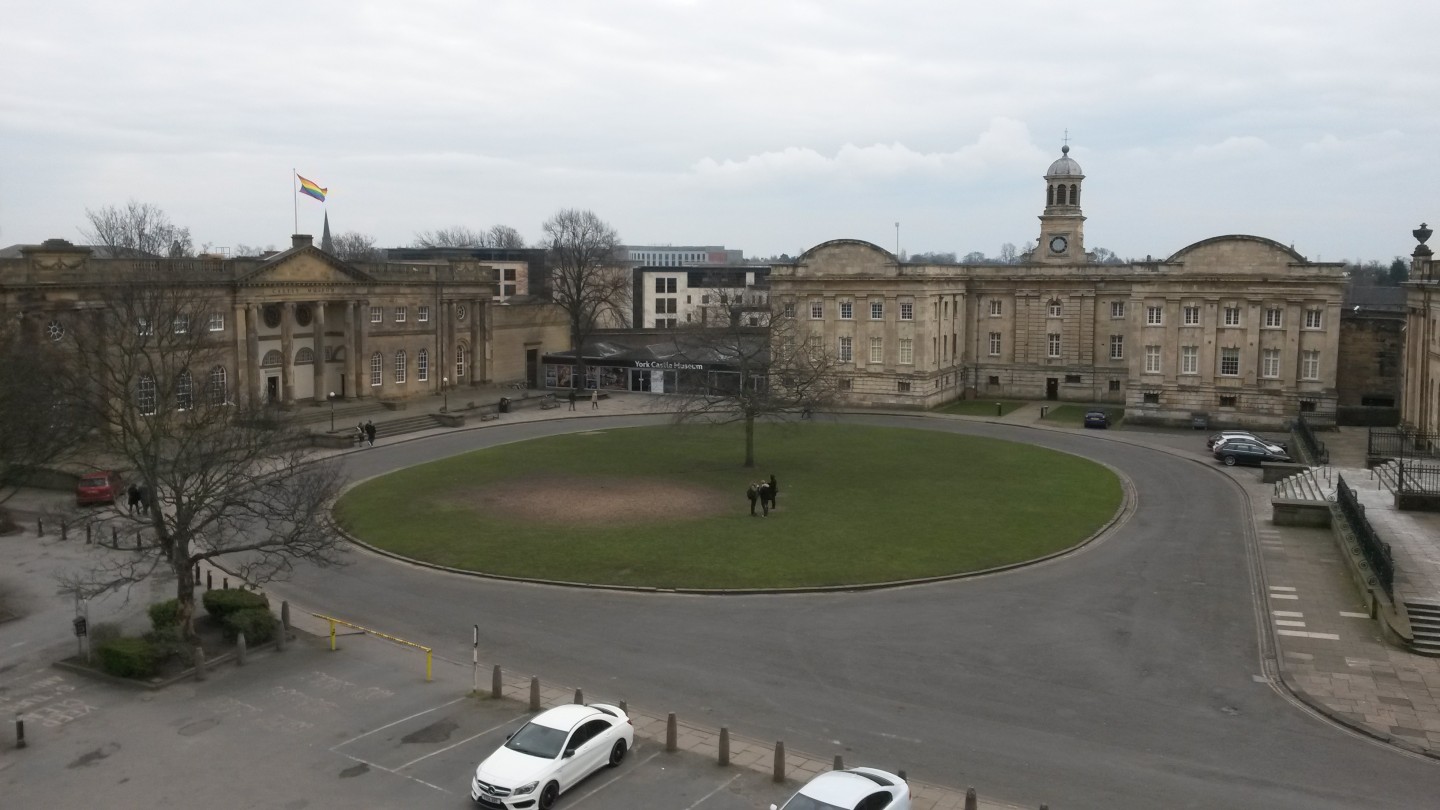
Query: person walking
[[774, 490], [595, 399], [572, 399], [370, 432], [753, 493], [763, 490], [359, 435]]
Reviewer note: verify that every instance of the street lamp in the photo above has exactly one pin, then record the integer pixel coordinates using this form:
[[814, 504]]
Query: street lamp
[[445, 395], [332, 411]]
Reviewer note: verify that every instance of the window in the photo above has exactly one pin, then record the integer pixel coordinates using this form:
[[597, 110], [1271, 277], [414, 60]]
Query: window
[[1189, 359], [789, 309], [1053, 342], [817, 310], [377, 369], [1072, 379], [1230, 362], [1117, 309], [399, 314], [1232, 316], [422, 365], [1055, 308], [1151, 397], [509, 274], [217, 322], [993, 379], [182, 324], [665, 285], [996, 307], [401, 365], [1227, 400], [1274, 317], [847, 353], [184, 391], [1117, 347], [877, 310], [145, 395], [877, 350], [1152, 359], [994, 344], [845, 384], [1270, 363], [377, 315], [903, 386], [1310, 365], [460, 312], [847, 310], [907, 351], [459, 362], [143, 327], [1307, 406], [218, 383], [304, 356], [1154, 316], [1312, 319], [907, 311], [422, 314], [1192, 316], [1114, 385]]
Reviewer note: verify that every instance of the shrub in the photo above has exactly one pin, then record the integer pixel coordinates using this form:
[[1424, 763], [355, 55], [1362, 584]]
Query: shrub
[[104, 633], [224, 601], [166, 642], [258, 625], [128, 658], [165, 614]]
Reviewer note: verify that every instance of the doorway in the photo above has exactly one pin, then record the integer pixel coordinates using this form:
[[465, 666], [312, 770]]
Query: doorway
[[532, 366], [1052, 388], [272, 389]]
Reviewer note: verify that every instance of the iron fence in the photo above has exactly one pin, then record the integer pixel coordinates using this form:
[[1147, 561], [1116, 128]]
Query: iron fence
[[1418, 454], [1314, 448], [1375, 550], [1418, 476]]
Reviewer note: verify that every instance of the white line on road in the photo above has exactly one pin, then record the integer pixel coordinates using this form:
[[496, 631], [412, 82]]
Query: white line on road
[[1353, 615], [462, 742], [387, 770], [1283, 596], [1289, 623], [1282, 588], [607, 783], [707, 796], [396, 723], [1303, 634], [1289, 614]]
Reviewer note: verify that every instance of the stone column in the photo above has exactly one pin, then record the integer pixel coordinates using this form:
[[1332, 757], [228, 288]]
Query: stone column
[[352, 389], [321, 391], [362, 361], [244, 359], [252, 354], [287, 348], [479, 343]]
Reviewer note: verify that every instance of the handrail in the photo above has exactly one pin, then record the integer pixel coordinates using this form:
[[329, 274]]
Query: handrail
[[1376, 551]]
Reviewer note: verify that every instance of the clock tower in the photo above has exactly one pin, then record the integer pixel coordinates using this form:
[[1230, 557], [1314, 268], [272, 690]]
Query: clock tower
[[1062, 226]]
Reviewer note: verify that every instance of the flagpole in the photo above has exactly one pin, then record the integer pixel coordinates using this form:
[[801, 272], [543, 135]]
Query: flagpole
[[294, 201]]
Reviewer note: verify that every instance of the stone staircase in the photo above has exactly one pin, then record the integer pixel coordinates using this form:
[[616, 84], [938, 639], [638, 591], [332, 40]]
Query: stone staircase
[[1425, 625], [1313, 484]]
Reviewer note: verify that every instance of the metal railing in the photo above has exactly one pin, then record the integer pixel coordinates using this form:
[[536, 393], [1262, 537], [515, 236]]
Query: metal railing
[[1314, 448], [1376, 551], [1417, 476]]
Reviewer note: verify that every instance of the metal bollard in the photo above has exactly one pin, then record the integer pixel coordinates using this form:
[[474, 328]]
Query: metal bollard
[[495, 682], [672, 736], [998, 409], [209, 580], [971, 802], [39, 527], [624, 707], [199, 664], [579, 697], [284, 626], [534, 693], [19, 731], [225, 583], [114, 537], [88, 527], [239, 649], [839, 763], [724, 746], [64, 530], [779, 775]]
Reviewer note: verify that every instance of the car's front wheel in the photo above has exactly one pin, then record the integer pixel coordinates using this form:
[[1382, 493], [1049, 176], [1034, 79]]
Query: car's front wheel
[[1229, 461], [549, 795], [617, 753]]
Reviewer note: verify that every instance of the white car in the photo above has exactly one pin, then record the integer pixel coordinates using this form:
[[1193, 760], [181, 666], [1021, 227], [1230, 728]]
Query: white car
[[852, 789], [550, 754]]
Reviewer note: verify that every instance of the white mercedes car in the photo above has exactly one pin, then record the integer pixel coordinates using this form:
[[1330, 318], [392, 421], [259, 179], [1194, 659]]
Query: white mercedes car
[[551, 754], [852, 789]]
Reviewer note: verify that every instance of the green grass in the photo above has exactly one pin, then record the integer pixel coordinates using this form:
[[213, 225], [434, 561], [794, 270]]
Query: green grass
[[1074, 415], [857, 505], [979, 407]]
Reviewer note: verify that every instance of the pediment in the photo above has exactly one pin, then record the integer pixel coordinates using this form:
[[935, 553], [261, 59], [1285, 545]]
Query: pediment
[[305, 266], [849, 257]]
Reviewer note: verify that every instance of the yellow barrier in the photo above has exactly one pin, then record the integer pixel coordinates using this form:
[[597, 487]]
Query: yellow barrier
[[334, 621]]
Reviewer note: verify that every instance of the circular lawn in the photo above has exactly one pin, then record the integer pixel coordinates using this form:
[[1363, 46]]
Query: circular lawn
[[665, 507]]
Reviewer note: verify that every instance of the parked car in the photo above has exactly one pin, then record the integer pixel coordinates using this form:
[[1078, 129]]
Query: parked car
[[1097, 419], [101, 486], [852, 789], [1244, 451], [551, 754], [1240, 434]]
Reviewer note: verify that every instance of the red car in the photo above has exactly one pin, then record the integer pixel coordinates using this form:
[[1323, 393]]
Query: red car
[[101, 486]]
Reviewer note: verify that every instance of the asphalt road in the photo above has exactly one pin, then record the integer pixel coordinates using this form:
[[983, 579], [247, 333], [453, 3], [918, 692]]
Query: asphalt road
[[1130, 674]]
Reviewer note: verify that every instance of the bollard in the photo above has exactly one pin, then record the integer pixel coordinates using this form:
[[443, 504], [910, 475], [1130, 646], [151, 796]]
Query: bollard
[[998, 409], [284, 627], [779, 761], [672, 737], [239, 649], [839, 763], [495, 682], [971, 803], [534, 694], [114, 537], [900, 773], [579, 697], [624, 707], [225, 583], [1044, 807], [209, 580], [199, 659], [87, 533], [19, 731], [39, 527], [64, 530], [724, 746]]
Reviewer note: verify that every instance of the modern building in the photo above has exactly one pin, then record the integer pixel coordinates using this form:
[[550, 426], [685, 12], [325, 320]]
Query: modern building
[[1239, 328], [680, 255], [670, 297]]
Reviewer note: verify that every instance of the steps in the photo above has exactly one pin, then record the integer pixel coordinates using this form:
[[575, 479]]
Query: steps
[[1425, 624], [1303, 486]]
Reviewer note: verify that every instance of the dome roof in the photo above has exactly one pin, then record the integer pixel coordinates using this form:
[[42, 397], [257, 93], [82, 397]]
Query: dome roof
[[1065, 166]]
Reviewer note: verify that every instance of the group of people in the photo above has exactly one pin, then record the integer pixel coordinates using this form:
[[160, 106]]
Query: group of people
[[764, 493], [594, 399], [365, 433]]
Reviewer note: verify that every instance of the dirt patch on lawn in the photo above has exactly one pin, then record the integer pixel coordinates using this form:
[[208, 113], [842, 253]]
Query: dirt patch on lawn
[[593, 501]]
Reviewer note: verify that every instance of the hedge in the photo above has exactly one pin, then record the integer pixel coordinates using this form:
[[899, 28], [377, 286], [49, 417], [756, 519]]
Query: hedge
[[165, 614], [258, 625], [128, 658], [222, 602]]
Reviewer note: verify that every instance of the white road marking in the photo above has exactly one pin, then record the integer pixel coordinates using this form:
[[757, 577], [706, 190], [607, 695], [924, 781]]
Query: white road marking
[[707, 796], [1289, 623], [1283, 596], [1353, 615], [1304, 634], [1282, 588], [396, 723], [380, 767], [1289, 614], [462, 742], [606, 783]]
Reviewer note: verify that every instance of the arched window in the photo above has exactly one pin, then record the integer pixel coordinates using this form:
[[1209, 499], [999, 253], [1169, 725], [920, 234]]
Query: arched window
[[400, 366], [1055, 308], [422, 365], [273, 359], [184, 391], [1074, 194], [217, 385], [377, 369], [305, 356], [1060, 194], [459, 361], [145, 394], [1049, 195]]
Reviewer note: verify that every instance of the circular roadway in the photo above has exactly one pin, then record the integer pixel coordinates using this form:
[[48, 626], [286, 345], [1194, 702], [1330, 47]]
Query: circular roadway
[[1132, 673]]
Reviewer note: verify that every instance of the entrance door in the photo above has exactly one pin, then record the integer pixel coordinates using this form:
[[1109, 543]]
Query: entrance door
[[1052, 388], [532, 366], [272, 389], [639, 380]]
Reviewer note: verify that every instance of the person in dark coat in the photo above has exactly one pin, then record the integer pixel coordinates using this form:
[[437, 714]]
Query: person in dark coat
[[774, 490], [765, 498], [370, 432], [133, 497], [359, 435], [753, 493], [572, 399]]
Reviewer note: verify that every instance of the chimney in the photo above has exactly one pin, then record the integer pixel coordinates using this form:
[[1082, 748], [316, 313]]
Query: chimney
[[301, 240]]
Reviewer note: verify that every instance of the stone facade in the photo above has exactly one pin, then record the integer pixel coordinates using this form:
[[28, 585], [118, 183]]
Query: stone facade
[[1420, 408]]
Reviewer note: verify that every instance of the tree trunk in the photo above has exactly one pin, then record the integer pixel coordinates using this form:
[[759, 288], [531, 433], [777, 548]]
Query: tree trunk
[[185, 593], [749, 439]]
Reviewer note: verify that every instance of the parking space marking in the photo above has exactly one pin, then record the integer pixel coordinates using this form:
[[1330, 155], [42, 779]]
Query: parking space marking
[[1288, 623], [1289, 614], [1304, 634], [1283, 596], [1350, 614], [707, 796], [490, 730], [396, 723], [1290, 588], [607, 783], [387, 770]]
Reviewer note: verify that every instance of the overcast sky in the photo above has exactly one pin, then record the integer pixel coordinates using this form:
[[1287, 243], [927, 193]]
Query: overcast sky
[[768, 126]]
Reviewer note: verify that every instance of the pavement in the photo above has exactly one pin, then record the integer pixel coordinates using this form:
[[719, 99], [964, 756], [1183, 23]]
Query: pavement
[[1328, 655]]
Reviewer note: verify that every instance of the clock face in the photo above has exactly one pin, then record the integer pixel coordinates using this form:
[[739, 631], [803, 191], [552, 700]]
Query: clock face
[[1058, 244]]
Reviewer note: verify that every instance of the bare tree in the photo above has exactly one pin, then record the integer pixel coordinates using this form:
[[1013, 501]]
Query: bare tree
[[456, 237], [973, 257], [224, 477], [137, 231], [40, 424], [355, 247], [779, 372], [586, 280], [504, 236], [1008, 254]]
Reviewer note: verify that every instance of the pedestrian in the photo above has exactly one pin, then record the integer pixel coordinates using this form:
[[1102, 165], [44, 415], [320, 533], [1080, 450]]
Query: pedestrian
[[370, 432], [764, 492], [359, 435], [753, 493], [595, 399], [133, 497], [572, 399], [774, 490]]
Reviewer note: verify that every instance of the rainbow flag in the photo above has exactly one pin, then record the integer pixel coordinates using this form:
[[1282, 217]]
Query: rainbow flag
[[309, 187]]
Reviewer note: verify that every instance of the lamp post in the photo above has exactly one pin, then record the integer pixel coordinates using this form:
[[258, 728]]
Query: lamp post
[[444, 395], [332, 411]]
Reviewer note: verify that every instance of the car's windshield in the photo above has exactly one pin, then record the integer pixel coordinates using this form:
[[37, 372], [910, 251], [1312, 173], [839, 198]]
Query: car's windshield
[[803, 802], [537, 741], [97, 481]]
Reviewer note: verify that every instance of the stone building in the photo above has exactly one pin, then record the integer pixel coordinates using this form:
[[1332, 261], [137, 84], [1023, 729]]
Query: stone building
[[301, 324], [1240, 328], [1420, 405]]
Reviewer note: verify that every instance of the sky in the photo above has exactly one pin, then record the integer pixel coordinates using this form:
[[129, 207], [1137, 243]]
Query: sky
[[767, 126]]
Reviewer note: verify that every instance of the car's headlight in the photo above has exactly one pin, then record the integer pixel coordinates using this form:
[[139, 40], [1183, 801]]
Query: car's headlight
[[523, 789]]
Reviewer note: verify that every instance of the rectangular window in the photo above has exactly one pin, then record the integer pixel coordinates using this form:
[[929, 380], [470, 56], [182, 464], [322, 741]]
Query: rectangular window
[[1310, 365], [996, 307], [182, 324], [1053, 341], [1230, 362], [907, 351], [847, 310], [1114, 385], [217, 322], [847, 352], [903, 386], [1227, 400], [1151, 397], [1152, 359], [1232, 316], [877, 350], [877, 310], [1312, 319], [400, 366], [817, 310], [1189, 359], [1072, 379], [422, 366], [660, 286], [377, 369], [789, 309], [1117, 347], [1117, 309], [844, 384], [992, 380], [507, 290], [1154, 316], [399, 314], [509, 274], [1270, 363], [1192, 316], [1055, 309], [422, 314], [376, 315], [994, 344], [1274, 317], [907, 311]]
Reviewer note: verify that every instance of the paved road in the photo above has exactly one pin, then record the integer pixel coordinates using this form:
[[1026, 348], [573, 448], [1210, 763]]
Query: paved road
[[1133, 673]]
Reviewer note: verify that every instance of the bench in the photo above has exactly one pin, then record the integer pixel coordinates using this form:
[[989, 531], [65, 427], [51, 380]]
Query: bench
[[486, 416], [548, 403]]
